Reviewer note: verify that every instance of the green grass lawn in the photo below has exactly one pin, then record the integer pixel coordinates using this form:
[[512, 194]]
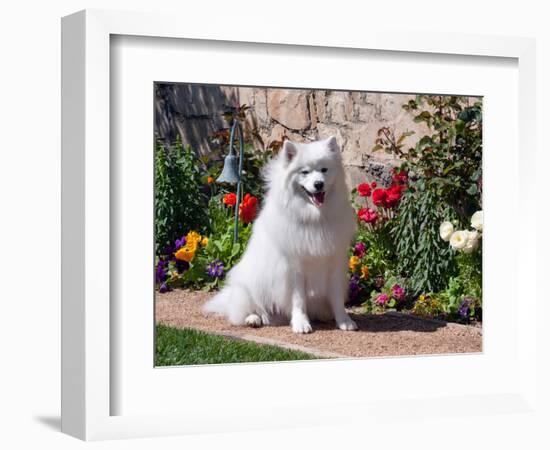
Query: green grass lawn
[[176, 347]]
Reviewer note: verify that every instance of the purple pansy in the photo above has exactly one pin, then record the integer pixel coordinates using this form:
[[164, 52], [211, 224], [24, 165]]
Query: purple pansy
[[354, 287], [168, 250], [162, 270], [163, 288], [215, 269], [180, 243], [464, 308]]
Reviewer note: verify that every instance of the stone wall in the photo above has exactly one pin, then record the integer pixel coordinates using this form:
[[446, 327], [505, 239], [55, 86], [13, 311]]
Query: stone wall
[[196, 111]]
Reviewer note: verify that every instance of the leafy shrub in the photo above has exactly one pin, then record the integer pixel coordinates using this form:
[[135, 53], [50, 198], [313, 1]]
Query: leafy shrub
[[450, 158], [445, 184], [423, 257], [202, 261], [188, 200], [462, 297], [180, 202]]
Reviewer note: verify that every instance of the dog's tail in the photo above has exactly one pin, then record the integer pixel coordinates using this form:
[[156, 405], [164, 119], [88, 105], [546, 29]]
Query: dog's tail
[[232, 302], [217, 304]]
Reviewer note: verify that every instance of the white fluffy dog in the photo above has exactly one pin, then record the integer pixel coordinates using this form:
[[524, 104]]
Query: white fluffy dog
[[296, 260]]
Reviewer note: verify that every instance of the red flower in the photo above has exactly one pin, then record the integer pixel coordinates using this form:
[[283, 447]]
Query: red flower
[[230, 199], [393, 195], [248, 208], [400, 176], [367, 215], [379, 197], [373, 184], [364, 190]]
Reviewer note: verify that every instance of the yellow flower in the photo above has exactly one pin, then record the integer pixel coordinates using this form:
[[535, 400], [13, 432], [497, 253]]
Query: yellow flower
[[422, 298], [364, 272], [186, 253], [204, 241], [353, 262], [174, 275], [193, 237]]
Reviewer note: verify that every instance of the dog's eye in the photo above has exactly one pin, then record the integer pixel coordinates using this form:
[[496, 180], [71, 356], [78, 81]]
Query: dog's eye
[[324, 170], [304, 172]]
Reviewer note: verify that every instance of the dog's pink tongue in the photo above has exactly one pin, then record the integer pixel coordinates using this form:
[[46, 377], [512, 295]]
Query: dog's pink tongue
[[319, 198]]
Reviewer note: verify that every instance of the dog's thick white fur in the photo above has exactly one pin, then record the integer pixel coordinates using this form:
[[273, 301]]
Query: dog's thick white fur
[[296, 260]]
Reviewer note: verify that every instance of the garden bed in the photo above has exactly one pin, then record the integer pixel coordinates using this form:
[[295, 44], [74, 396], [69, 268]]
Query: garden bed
[[386, 334]]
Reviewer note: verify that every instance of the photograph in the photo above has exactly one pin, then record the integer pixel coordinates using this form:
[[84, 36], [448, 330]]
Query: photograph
[[296, 223]]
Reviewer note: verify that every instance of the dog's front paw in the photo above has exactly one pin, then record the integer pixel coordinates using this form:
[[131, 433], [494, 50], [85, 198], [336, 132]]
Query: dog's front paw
[[300, 324], [347, 324], [253, 320]]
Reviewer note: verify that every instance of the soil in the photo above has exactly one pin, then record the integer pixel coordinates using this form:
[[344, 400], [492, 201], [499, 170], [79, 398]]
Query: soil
[[390, 334]]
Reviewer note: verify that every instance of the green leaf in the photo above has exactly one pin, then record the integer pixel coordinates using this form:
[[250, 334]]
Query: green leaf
[[424, 116], [236, 249]]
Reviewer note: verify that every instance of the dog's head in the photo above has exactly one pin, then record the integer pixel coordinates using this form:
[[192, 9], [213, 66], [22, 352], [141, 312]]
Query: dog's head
[[313, 169]]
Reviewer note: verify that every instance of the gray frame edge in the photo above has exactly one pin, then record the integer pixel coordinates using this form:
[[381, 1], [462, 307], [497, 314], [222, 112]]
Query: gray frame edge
[[73, 102]]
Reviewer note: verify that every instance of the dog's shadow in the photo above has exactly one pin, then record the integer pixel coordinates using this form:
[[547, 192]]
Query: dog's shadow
[[376, 323], [380, 323]]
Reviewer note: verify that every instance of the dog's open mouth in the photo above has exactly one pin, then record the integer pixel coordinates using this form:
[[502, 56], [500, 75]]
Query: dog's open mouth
[[317, 198]]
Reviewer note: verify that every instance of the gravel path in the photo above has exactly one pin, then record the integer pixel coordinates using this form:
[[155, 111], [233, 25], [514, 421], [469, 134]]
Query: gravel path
[[378, 335]]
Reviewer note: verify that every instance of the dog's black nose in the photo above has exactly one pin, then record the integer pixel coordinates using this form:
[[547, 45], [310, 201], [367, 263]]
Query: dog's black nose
[[319, 185]]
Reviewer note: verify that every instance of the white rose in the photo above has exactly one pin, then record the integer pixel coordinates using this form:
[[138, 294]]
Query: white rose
[[477, 221], [459, 239], [446, 230], [472, 242]]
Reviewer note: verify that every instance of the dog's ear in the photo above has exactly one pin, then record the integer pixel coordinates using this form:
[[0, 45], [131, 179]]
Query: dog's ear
[[333, 145], [289, 151]]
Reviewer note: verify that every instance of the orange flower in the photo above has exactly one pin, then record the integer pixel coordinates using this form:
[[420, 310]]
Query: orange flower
[[186, 253], [248, 208], [193, 238], [230, 199], [210, 180], [353, 262], [364, 272]]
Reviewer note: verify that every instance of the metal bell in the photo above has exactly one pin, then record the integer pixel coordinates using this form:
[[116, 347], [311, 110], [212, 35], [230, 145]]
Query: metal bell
[[229, 172]]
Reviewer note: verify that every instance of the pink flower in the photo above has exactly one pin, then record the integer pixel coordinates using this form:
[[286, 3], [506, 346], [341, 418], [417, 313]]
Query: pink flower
[[360, 249], [398, 292], [367, 215], [382, 299]]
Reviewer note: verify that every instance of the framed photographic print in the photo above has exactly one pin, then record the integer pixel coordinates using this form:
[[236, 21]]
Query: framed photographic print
[[288, 217], [397, 156]]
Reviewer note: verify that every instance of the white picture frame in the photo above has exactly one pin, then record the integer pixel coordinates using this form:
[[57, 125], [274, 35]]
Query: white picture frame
[[87, 328]]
